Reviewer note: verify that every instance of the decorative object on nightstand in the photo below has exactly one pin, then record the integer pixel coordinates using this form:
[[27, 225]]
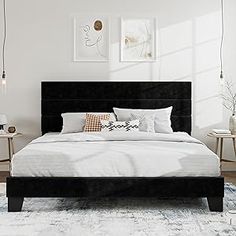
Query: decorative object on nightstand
[[10, 138], [220, 136], [11, 129], [3, 121], [221, 131], [229, 98]]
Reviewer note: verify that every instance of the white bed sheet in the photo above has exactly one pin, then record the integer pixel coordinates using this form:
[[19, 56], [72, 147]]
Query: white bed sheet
[[132, 154]]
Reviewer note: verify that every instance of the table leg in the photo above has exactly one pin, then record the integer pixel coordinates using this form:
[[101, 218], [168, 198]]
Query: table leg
[[217, 145], [234, 144], [221, 148], [9, 149], [12, 147]]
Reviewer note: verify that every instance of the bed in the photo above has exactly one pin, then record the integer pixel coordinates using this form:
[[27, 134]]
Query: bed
[[96, 165]]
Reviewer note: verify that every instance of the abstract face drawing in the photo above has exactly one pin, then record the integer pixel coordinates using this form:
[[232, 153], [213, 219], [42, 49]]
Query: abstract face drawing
[[93, 40]]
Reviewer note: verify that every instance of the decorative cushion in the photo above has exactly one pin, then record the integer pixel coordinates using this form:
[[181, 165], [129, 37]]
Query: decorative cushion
[[75, 122], [146, 122], [114, 126], [162, 121], [93, 122]]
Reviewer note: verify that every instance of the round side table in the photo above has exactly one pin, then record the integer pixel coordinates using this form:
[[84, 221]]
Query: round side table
[[10, 144], [220, 143]]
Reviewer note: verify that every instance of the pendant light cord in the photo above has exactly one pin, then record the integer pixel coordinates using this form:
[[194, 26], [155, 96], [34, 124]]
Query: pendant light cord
[[4, 39], [222, 39]]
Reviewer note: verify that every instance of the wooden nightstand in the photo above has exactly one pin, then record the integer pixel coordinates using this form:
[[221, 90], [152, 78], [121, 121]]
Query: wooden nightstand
[[220, 142], [10, 138]]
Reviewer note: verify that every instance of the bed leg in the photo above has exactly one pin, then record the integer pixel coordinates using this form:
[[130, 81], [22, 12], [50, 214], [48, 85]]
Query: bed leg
[[215, 203], [15, 204]]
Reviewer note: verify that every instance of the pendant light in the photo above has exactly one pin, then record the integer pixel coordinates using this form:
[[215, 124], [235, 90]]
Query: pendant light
[[3, 80], [221, 43]]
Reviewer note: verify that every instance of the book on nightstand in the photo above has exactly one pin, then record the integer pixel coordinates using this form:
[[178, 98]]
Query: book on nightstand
[[225, 132]]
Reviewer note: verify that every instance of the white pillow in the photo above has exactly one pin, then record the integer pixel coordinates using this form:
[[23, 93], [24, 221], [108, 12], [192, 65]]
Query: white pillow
[[162, 122], [118, 126], [146, 122], [74, 122]]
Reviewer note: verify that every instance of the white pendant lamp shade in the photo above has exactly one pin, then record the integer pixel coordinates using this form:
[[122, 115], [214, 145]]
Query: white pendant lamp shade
[[3, 119]]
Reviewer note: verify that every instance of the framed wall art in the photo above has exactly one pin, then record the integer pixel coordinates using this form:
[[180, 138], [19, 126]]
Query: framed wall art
[[138, 39], [91, 38]]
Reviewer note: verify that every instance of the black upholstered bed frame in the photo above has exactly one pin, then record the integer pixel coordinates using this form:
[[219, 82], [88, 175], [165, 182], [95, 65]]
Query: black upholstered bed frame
[[59, 97]]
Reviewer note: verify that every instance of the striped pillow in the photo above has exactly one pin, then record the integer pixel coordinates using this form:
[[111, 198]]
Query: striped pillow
[[93, 122]]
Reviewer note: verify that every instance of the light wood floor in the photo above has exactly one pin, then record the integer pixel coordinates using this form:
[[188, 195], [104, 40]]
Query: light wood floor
[[230, 176], [3, 175]]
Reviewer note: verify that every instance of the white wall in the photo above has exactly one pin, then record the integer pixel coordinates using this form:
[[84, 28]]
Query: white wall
[[39, 47]]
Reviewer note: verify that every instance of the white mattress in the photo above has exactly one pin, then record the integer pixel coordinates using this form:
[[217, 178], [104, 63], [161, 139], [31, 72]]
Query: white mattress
[[115, 154]]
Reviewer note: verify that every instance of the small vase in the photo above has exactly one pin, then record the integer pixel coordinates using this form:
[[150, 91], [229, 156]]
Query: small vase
[[232, 124]]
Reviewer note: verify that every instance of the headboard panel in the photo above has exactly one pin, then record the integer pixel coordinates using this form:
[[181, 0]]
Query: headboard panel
[[60, 97]]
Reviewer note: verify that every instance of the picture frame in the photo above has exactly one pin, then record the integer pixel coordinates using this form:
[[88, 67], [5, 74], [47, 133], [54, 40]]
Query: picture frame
[[138, 39], [91, 39]]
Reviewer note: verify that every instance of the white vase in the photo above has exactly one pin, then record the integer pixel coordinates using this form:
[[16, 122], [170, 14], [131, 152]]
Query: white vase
[[232, 124]]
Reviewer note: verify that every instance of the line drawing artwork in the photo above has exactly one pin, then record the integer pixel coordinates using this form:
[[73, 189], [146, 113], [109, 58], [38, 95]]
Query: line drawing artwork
[[88, 42], [91, 40]]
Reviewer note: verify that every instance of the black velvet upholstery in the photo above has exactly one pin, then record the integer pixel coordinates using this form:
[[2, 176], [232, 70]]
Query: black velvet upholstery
[[59, 97], [92, 187], [113, 186]]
